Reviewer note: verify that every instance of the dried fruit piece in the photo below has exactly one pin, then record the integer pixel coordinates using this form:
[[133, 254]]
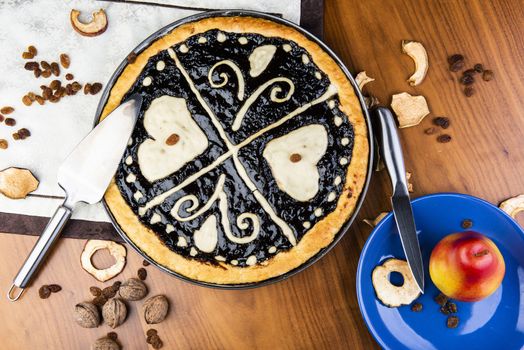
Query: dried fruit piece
[[37, 72], [441, 299], [3, 144], [466, 223], [86, 315], [112, 335], [31, 65], [487, 75], [362, 79], [418, 53], [452, 322], [76, 86], [133, 289], [455, 58], [100, 300], [131, 58], [150, 332], [27, 101], [46, 73], [142, 274], [172, 139], [513, 206], [55, 69], [87, 88], [390, 294], [469, 91], [410, 110], [95, 291], [467, 80], [44, 292], [444, 138], [479, 68], [95, 88], [27, 55], [155, 309], [105, 343], [443, 122], [416, 307], [145, 263], [7, 110], [114, 312], [108, 292], [69, 76], [39, 99], [10, 122], [95, 27], [16, 183], [374, 222], [65, 61], [430, 131], [32, 50], [118, 251]]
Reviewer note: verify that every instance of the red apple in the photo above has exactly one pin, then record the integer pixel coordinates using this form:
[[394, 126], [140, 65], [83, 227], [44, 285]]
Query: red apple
[[466, 266]]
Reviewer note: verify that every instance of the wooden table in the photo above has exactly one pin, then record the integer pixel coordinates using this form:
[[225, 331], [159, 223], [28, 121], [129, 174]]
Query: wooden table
[[318, 308]]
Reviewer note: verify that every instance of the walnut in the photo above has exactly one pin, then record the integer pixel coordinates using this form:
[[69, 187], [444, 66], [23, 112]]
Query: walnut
[[105, 343], [155, 309], [114, 312], [133, 289], [87, 315]]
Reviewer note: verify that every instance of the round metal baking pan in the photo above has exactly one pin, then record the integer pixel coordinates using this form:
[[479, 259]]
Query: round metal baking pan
[[234, 13]]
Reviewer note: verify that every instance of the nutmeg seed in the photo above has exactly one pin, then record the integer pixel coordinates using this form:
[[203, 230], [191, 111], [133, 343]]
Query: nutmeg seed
[[114, 312], [155, 309], [105, 343], [87, 315], [133, 289]]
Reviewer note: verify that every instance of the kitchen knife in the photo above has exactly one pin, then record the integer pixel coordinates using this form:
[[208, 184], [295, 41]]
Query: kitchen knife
[[84, 176], [391, 154]]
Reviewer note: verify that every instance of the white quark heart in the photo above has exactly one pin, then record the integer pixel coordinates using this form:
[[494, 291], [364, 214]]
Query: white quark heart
[[169, 118], [206, 238], [293, 160], [260, 58]]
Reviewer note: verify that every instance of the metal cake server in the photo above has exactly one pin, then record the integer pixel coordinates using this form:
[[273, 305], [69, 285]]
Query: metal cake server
[[391, 154], [84, 176]]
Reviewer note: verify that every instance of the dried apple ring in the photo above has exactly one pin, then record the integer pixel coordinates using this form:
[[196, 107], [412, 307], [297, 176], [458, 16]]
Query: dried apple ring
[[118, 251], [390, 294]]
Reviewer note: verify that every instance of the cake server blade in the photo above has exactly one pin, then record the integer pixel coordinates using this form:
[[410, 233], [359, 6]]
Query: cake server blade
[[391, 153], [84, 176]]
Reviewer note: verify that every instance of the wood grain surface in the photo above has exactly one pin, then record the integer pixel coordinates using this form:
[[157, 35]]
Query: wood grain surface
[[318, 308]]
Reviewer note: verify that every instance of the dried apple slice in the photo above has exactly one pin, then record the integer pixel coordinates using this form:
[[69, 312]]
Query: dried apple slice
[[17, 183], [362, 79], [390, 294], [118, 251], [513, 206], [96, 26], [410, 110], [418, 53]]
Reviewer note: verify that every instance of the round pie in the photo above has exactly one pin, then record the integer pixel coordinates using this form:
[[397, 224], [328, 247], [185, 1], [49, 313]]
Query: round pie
[[249, 154]]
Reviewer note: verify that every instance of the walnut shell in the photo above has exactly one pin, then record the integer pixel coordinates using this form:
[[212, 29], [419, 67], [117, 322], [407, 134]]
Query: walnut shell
[[133, 289], [155, 309], [105, 343], [114, 312], [87, 315]]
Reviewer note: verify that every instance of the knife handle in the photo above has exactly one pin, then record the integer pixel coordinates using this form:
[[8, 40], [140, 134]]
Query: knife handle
[[39, 252], [390, 149]]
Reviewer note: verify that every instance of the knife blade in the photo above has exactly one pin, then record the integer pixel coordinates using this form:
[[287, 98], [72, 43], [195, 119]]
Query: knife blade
[[391, 153], [84, 176]]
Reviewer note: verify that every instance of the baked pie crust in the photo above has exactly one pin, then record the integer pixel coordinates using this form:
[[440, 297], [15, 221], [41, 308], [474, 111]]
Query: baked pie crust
[[319, 234]]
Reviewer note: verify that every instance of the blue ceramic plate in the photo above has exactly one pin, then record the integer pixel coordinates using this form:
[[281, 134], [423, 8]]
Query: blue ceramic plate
[[496, 322]]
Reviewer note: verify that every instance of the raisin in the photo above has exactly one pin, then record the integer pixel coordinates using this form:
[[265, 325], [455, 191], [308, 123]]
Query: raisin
[[469, 91], [24, 133], [37, 72], [54, 288], [44, 292], [69, 76], [31, 65], [443, 122], [455, 67], [46, 73], [487, 75], [65, 61], [108, 292], [295, 158], [45, 65], [441, 299], [55, 84], [112, 335], [32, 50], [95, 291], [31, 96], [76, 86], [55, 69], [416, 307], [131, 58], [10, 122], [100, 300], [466, 223], [69, 89], [444, 138], [7, 110], [16, 136], [95, 88], [151, 332], [145, 263], [27, 55], [455, 58], [87, 88], [452, 307], [470, 72], [478, 68], [40, 100], [430, 131], [452, 322], [467, 79], [27, 101], [3, 144], [142, 274]]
